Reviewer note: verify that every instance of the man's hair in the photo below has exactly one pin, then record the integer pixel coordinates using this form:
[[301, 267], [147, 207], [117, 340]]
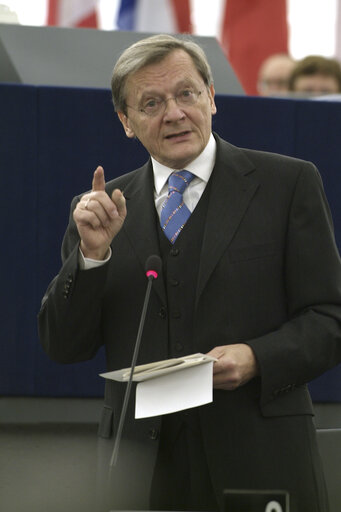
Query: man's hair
[[316, 65], [150, 51]]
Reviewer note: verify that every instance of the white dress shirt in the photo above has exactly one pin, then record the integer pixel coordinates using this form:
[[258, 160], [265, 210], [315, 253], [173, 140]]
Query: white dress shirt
[[201, 167]]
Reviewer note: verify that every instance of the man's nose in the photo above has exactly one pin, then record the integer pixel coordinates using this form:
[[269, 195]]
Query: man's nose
[[172, 109]]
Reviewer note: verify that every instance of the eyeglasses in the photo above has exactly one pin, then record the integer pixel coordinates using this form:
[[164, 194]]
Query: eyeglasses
[[156, 106]]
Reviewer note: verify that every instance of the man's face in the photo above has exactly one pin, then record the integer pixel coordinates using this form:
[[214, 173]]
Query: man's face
[[274, 76], [176, 135], [316, 84]]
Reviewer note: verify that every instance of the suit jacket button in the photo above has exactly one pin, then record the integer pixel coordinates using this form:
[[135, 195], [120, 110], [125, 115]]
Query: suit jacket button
[[174, 252], [163, 312], [179, 346], [153, 434]]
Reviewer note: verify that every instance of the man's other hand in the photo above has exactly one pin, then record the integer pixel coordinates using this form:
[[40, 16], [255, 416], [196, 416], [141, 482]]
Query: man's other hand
[[235, 366]]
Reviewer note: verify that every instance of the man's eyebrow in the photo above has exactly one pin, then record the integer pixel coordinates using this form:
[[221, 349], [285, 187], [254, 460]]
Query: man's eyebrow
[[150, 92], [153, 92]]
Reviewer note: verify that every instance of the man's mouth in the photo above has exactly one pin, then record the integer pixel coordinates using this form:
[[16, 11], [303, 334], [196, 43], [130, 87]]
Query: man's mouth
[[179, 134]]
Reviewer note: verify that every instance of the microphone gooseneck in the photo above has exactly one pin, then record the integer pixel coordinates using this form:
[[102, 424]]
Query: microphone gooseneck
[[152, 268]]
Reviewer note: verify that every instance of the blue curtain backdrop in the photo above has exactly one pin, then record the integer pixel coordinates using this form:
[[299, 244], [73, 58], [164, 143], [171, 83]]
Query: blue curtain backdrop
[[51, 140]]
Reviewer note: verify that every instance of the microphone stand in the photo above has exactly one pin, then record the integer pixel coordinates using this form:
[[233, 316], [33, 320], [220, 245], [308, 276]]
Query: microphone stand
[[151, 275]]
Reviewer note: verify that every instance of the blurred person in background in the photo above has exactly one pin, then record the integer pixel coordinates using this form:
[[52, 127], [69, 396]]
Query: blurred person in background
[[316, 75], [274, 73]]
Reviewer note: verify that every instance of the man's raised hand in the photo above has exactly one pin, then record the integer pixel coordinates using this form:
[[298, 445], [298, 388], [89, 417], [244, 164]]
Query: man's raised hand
[[99, 218]]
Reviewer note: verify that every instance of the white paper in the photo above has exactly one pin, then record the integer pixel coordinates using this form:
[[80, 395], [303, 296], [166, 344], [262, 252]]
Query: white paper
[[176, 391], [158, 368]]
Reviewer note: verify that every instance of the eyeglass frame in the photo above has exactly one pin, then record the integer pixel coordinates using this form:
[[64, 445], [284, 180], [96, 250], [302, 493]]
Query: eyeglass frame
[[163, 103]]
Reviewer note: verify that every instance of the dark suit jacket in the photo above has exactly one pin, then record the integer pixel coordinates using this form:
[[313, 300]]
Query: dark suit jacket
[[269, 276]]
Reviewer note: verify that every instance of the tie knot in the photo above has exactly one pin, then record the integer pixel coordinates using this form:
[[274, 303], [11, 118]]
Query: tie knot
[[179, 180]]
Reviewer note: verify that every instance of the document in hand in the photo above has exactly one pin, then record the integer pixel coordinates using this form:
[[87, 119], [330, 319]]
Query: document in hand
[[170, 385]]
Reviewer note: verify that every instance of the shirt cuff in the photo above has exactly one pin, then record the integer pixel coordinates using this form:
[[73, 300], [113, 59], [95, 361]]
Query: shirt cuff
[[88, 263]]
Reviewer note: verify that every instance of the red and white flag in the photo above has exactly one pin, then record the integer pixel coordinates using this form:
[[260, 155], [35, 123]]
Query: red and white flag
[[338, 30], [72, 13], [252, 30]]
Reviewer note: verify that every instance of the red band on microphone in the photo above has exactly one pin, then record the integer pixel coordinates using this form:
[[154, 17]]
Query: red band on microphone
[[152, 273]]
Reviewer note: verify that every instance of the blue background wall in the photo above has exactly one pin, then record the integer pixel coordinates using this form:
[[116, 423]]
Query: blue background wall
[[51, 140]]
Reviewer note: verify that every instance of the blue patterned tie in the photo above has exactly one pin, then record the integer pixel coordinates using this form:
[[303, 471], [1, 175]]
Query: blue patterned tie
[[174, 213]]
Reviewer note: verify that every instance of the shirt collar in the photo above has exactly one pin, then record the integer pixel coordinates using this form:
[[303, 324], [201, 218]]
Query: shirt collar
[[201, 167]]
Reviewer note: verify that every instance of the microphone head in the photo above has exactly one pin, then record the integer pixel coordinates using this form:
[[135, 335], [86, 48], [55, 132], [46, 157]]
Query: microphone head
[[153, 266]]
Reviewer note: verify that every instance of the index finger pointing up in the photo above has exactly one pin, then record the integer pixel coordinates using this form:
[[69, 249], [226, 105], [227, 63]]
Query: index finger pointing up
[[98, 181]]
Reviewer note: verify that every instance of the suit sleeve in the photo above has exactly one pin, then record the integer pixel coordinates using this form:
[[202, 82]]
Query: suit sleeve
[[69, 321], [309, 343]]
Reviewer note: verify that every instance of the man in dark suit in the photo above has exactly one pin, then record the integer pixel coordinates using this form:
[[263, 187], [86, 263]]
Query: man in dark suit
[[252, 277]]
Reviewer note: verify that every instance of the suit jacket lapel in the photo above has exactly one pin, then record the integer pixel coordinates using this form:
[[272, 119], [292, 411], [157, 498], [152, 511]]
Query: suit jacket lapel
[[232, 188], [140, 224]]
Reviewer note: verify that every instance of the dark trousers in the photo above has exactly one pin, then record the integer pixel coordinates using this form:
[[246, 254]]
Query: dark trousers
[[181, 478]]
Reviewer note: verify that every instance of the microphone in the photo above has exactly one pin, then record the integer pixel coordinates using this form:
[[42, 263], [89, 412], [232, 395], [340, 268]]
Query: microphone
[[153, 268]]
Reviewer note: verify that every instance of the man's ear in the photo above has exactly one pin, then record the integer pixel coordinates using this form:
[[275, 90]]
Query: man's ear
[[126, 125]]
